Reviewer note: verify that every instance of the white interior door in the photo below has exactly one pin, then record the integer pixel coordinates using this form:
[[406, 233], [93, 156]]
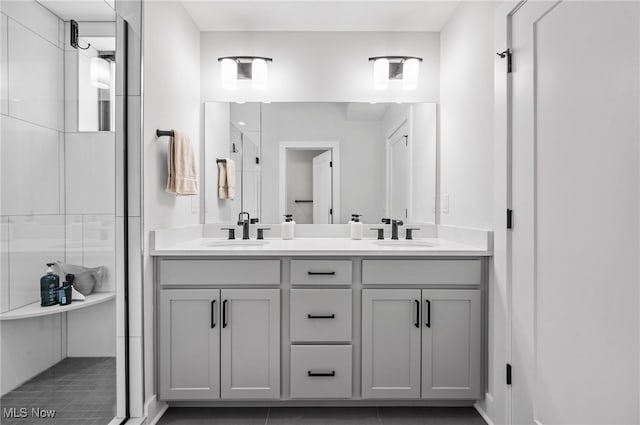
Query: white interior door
[[322, 189], [399, 173], [574, 323]]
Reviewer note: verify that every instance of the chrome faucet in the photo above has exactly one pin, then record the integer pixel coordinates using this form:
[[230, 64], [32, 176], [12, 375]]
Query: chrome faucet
[[244, 223], [394, 227]]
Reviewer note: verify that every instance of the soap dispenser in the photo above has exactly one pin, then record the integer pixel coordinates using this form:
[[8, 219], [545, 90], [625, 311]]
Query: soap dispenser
[[287, 227], [49, 284], [355, 227]]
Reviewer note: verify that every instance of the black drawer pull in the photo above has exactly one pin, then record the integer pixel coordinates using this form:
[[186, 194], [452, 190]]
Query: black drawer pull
[[417, 323], [321, 273], [428, 304], [213, 314], [321, 316], [224, 313], [332, 373]]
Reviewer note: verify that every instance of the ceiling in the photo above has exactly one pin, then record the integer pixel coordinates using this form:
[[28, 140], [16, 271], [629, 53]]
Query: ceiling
[[320, 15], [81, 10]]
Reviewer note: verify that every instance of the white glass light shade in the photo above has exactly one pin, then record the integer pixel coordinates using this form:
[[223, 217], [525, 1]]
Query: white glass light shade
[[410, 71], [381, 74], [100, 73], [259, 74], [229, 74]]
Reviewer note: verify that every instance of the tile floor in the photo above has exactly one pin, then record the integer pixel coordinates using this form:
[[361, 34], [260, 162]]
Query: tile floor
[[322, 416], [81, 390]]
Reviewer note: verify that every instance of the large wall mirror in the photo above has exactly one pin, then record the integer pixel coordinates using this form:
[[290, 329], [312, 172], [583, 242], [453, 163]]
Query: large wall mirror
[[321, 161]]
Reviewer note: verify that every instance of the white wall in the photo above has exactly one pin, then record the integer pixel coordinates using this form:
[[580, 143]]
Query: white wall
[[321, 66], [171, 46], [362, 153], [466, 116]]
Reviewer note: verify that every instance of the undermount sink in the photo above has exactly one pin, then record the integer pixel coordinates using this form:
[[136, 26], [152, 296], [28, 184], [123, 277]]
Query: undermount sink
[[241, 243], [404, 244]]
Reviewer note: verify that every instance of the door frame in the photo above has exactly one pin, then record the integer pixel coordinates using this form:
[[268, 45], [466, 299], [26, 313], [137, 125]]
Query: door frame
[[389, 133], [498, 400], [334, 147]]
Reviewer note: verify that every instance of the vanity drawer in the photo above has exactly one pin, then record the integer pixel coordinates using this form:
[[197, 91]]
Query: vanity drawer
[[320, 315], [219, 272], [321, 371], [321, 272], [422, 272]]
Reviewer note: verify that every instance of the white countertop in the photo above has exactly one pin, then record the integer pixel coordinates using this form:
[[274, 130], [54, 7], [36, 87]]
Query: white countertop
[[320, 247]]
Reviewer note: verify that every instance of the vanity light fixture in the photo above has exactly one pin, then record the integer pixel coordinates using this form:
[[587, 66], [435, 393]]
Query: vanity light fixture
[[405, 68], [100, 73], [234, 68]]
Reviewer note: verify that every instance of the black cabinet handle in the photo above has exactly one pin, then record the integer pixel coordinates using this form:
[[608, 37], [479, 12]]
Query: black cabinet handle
[[321, 316], [428, 322], [311, 373], [213, 314], [417, 323], [224, 313], [321, 273]]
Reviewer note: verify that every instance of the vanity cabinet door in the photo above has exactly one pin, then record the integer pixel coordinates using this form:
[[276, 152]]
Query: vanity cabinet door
[[391, 343], [250, 344], [451, 356], [189, 344]]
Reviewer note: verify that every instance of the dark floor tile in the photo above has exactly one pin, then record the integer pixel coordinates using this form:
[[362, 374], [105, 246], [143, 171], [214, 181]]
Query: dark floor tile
[[323, 416], [214, 416], [78, 389], [430, 416]]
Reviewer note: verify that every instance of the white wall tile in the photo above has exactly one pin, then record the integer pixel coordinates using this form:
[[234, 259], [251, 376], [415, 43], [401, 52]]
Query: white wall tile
[[35, 345], [71, 91], [119, 157], [4, 264], [33, 16], [61, 188], [4, 81], [120, 377], [30, 175], [120, 276], [134, 154], [35, 78], [34, 241], [99, 244], [74, 239], [136, 377], [90, 173], [136, 292], [91, 332]]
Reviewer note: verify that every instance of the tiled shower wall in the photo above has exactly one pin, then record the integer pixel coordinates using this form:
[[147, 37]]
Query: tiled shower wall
[[58, 196]]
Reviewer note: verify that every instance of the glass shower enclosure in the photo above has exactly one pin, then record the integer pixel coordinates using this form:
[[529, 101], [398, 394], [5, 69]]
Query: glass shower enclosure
[[61, 203]]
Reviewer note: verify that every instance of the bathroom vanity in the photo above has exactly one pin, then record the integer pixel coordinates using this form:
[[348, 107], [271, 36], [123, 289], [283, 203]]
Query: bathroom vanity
[[309, 319]]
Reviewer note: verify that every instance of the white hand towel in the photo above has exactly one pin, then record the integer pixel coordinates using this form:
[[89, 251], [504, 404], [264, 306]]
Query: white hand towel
[[227, 179], [181, 162]]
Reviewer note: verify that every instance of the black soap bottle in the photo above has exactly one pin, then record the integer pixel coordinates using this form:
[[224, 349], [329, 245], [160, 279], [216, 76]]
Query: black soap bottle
[[49, 284], [64, 292]]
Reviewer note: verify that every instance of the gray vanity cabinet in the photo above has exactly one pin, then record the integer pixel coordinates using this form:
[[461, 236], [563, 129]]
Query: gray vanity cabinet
[[250, 344], [421, 343], [189, 344], [391, 343], [451, 341], [219, 343]]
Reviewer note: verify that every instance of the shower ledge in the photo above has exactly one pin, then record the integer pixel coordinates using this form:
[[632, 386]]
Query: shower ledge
[[35, 310]]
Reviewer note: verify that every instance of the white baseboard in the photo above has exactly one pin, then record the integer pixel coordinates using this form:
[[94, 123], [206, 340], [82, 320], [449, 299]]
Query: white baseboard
[[484, 415], [154, 409]]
